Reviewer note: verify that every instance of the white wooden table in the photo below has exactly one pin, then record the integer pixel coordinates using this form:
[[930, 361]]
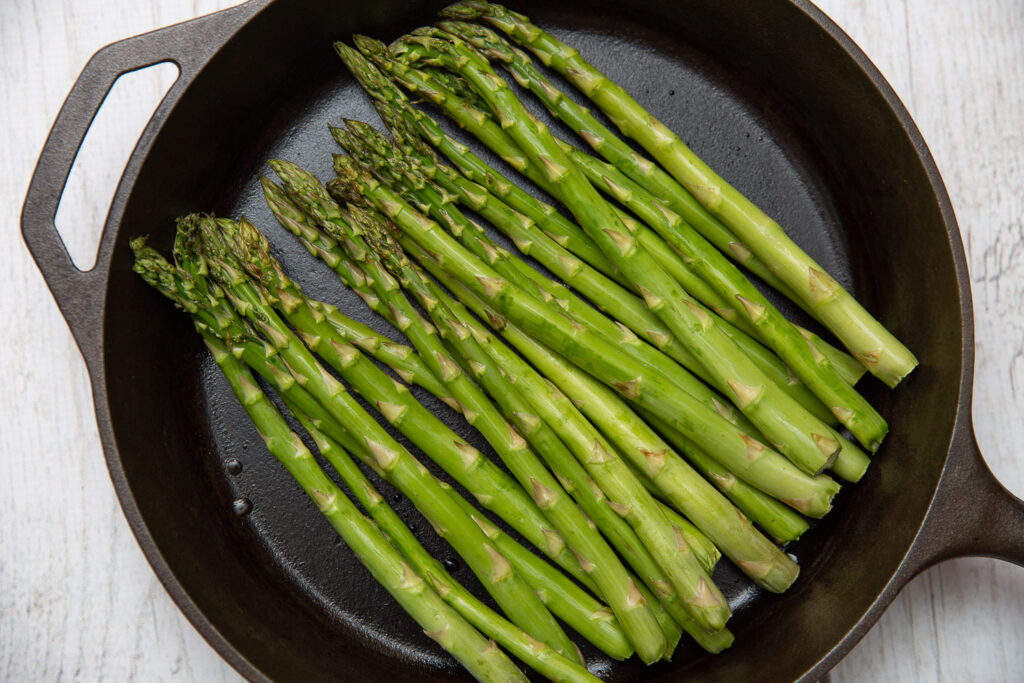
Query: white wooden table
[[79, 602]]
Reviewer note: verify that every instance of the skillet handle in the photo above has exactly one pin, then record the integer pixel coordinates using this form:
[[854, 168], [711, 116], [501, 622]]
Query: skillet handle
[[972, 514], [79, 294]]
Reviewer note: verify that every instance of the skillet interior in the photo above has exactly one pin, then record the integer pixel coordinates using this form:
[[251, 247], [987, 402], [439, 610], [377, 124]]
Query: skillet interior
[[762, 93]]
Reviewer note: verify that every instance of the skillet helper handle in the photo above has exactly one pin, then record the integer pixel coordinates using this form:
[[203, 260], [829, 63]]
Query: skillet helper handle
[[79, 294], [972, 514]]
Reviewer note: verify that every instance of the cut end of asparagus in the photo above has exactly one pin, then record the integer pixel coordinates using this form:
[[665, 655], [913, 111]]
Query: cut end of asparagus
[[776, 575]]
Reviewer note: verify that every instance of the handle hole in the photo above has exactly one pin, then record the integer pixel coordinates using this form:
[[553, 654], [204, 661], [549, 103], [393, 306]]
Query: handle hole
[[104, 153]]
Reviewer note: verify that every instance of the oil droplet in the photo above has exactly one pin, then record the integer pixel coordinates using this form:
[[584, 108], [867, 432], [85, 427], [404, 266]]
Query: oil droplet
[[233, 466], [451, 565], [242, 506]]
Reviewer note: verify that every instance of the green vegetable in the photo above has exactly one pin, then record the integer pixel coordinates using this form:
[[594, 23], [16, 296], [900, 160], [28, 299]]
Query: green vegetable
[[877, 349], [202, 244]]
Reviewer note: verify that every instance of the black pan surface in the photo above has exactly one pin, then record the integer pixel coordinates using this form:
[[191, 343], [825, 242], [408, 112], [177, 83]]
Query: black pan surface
[[767, 93]]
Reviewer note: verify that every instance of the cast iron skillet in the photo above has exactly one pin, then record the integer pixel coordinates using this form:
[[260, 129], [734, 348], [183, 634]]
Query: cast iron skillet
[[772, 94]]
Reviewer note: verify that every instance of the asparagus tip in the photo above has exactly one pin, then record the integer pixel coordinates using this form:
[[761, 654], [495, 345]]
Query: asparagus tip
[[369, 47], [467, 10]]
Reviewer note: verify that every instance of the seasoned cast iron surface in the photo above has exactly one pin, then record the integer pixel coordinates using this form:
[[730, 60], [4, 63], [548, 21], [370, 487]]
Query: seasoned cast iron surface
[[283, 585]]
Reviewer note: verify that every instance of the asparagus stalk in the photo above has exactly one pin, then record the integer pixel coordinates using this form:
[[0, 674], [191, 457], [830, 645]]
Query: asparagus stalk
[[532, 652], [610, 146], [594, 504], [403, 411], [470, 235], [774, 517], [329, 252], [629, 309], [623, 305], [877, 349], [673, 477], [595, 564], [812, 367], [202, 243], [593, 284], [585, 348], [596, 558], [482, 659], [537, 432], [618, 531], [212, 318], [478, 122], [558, 582], [395, 110], [400, 117], [705, 603], [723, 524], [399, 357], [497, 373], [386, 95], [805, 440], [625, 495], [478, 474], [494, 377]]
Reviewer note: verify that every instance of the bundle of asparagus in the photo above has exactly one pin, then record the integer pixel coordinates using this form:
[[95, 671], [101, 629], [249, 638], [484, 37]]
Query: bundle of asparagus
[[651, 409]]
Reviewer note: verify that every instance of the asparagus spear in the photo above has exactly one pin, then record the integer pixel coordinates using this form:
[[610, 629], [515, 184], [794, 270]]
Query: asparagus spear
[[596, 558], [442, 623], [213, 317], [516, 374], [477, 122], [880, 352], [622, 305], [688, 492], [469, 234], [201, 242], [403, 411], [394, 109], [812, 367], [385, 94], [777, 519], [477, 473], [559, 582], [802, 438], [496, 379], [399, 357], [322, 246], [537, 655], [363, 139], [704, 601], [610, 146], [631, 549], [585, 348], [617, 530], [481, 658], [400, 117]]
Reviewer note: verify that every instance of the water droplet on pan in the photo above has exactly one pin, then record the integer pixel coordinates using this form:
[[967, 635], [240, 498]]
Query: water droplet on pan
[[242, 506], [233, 466]]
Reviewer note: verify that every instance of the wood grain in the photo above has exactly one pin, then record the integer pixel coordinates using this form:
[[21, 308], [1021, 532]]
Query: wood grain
[[79, 602]]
